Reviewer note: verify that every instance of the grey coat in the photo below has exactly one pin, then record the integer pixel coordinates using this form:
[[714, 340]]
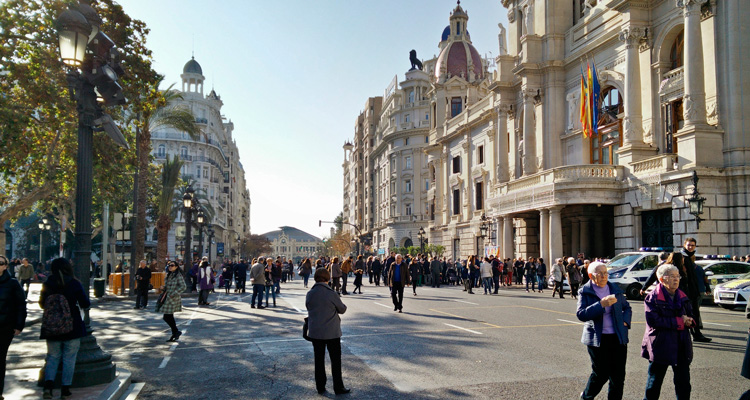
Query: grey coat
[[323, 308], [258, 274]]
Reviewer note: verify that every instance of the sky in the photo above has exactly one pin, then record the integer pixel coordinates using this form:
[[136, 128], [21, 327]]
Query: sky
[[294, 76]]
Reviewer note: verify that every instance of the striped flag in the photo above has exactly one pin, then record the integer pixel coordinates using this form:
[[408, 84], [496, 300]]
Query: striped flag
[[595, 91], [584, 105]]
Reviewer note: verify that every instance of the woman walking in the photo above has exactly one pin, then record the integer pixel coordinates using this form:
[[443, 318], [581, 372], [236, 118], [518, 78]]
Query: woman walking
[[12, 314], [486, 273], [59, 291], [174, 285], [206, 279], [305, 270], [358, 280], [269, 281]]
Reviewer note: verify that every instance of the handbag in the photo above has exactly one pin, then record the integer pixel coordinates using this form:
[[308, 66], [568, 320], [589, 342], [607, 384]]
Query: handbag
[[160, 301], [304, 331]]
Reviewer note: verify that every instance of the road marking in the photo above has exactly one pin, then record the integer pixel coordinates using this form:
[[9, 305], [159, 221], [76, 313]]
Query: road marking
[[572, 322], [712, 323], [382, 305], [546, 301], [165, 361], [464, 329], [467, 302]]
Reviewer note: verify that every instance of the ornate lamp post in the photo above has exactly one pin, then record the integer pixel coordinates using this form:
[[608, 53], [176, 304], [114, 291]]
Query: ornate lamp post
[[43, 225], [211, 234], [696, 202], [93, 69], [239, 249], [201, 220], [421, 235], [484, 226]]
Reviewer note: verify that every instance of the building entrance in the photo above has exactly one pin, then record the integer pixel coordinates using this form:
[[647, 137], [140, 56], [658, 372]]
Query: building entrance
[[657, 228]]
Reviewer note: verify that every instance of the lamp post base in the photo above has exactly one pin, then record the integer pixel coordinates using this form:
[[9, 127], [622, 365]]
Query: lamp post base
[[93, 366]]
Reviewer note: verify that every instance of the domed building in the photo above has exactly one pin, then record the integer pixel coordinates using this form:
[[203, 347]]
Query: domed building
[[212, 164]]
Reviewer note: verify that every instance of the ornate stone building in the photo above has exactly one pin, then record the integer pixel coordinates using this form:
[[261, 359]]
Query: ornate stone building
[[293, 244], [212, 163], [509, 144]]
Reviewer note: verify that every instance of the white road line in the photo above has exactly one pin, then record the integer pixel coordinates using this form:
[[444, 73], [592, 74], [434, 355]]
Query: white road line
[[546, 301], [382, 305], [467, 302], [572, 322], [467, 330], [713, 323], [165, 361], [172, 347], [190, 321]]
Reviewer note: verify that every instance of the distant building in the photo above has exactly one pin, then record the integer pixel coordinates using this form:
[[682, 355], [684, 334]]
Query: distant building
[[293, 243], [212, 163]]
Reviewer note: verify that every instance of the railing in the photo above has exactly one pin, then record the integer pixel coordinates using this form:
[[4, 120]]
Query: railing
[[523, 183], [658, 164], [186, 137], [186, 157], [567, 174], [675, 73], [203, 121]]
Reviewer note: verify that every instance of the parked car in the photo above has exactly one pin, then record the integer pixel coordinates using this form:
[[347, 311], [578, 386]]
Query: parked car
[[730, 293], [630, 270]]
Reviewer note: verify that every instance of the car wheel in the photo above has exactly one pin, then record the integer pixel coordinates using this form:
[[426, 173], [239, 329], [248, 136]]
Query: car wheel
[[633, 292], [727, 306]]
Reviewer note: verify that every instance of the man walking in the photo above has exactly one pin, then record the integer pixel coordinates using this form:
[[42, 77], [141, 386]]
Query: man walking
[[398, 276], [693, 288], [25, 274], [258, 278], [142, 281], [240, 275], [436, 269], [377, 269]]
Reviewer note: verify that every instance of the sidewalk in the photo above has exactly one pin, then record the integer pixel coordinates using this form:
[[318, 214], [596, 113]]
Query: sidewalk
[[26, 358]]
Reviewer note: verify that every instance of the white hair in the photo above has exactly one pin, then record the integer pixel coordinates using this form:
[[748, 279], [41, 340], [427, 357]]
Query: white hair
[[592, 267], [664, 269], [571, 260], [558, 260], [399, 255]]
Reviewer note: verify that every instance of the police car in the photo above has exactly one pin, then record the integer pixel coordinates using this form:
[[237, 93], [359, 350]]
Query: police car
[[631, 269], [727, 292]]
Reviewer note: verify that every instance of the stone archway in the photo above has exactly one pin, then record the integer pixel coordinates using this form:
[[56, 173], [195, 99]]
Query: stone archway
[[407, 242], [391, 244]]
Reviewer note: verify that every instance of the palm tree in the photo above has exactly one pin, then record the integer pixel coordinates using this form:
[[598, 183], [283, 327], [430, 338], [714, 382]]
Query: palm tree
[[170, 176], [156, 110]]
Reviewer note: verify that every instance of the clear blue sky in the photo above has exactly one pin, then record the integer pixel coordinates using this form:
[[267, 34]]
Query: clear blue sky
[[294, 75]]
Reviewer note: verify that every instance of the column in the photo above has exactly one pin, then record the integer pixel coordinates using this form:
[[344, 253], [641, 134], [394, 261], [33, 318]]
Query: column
[[508, 250], [529, 134], [555, 234], [503, 173], [575, 237], [499, 235], [599, 238], [585, 240], [633, 120], [544, 235], [694, 101]]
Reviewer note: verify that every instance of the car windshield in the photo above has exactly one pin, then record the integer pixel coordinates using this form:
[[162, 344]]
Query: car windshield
[[746, 276], [623, 260]]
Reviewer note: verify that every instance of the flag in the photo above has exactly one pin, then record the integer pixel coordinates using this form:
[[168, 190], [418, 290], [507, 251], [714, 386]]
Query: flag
[[595, 91], [584, 105], [589, 98]]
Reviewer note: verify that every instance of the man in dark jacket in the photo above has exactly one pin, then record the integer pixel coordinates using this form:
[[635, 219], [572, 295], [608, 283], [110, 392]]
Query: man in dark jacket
[[12, 314], [436, 268], [142, 282], [377, 269], [496, 271], [398, 277], [240, 276], [693, 288]]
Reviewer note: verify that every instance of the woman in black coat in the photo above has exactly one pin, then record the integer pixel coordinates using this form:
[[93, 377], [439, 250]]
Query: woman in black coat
[[12, 314]]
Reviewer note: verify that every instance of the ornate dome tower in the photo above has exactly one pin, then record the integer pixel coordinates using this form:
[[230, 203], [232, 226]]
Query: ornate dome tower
[[192, 77], [458, 57]]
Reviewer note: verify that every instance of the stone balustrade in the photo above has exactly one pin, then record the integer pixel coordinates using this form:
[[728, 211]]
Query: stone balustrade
[[654, 165]]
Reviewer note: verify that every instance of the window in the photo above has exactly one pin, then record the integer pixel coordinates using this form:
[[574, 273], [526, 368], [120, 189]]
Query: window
[[673, 122], [426, 185], [411, 96], [458, 28], [456, 201], [198, 173], [406, 141], [183, 151], [456, 164], [427, 139], [479, 195], [456, 106], [406, 118], [407, 209], [393, 210], [480, 154], [393, 188], [205, 173], [162, 151], [407, 186], [407, 162], [393, 165], [605, 144], [676, 56]]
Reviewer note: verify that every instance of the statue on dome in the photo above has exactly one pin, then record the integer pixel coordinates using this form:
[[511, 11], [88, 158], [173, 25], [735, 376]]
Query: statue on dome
[[415, 63]]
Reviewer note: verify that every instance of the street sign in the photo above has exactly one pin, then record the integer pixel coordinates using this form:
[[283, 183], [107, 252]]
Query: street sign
[[381, 251], [220, 249]]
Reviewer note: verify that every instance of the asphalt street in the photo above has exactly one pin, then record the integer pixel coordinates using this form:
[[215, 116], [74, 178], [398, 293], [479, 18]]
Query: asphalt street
[[446, 344]]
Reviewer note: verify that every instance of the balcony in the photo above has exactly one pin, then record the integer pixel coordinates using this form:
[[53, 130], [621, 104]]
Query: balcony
[[572, 184], [654, 165], [203, 121]]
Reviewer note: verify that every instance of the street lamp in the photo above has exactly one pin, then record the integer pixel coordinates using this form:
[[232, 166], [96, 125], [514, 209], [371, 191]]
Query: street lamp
[[211, 234], [421, 235], [43, 225], [201, 219], [696, 202], [484, 226], [239, 249], [93, 68]]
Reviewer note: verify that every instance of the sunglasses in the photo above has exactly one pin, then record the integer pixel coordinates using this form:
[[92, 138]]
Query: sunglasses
[[3, 263]]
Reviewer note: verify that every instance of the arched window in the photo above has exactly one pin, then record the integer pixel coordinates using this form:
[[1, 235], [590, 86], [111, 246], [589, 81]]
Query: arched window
[[161, 151], [676, 57], [607, 141], [155, 235]]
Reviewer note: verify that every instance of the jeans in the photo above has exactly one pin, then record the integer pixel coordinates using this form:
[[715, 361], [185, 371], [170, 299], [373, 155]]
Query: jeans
[[27, 283], [607, 364], [334, 352], [376, 278], [257, 292], [277, 285], [656, 377], [540, 282], [6, 336], [67, 351], [241, 285], [344, 277], [269, 289], [305, 278], [487, 283], [530, 280], [397, 295], [496, 282]]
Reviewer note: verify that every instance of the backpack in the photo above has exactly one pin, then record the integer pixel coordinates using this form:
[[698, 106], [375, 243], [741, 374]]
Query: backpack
[[57, 319]]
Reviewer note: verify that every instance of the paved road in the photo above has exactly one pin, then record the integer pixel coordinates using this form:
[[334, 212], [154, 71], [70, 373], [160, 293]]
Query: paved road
[[446, 344]]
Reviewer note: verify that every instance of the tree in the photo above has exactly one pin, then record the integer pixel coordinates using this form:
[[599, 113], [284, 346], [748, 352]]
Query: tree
[[170, 177], [153, 110], [256, 246], [38, 119], [339, 222]]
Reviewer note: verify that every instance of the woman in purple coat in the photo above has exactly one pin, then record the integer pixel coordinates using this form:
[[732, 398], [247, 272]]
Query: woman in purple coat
[[206, 280], [666, 341]]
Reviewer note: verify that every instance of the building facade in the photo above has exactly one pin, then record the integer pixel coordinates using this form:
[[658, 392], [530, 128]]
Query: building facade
[[293, 244], [212, 164], [509, 148]]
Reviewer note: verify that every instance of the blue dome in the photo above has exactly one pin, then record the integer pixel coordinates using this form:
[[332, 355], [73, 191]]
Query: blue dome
[[447, 32], [192, 67]]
